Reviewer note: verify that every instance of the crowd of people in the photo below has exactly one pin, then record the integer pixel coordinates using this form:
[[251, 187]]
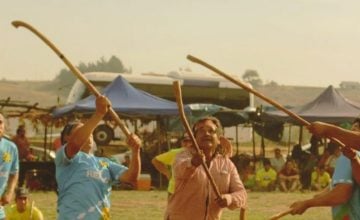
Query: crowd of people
[[79, 172], [203, 178], [288, 173]]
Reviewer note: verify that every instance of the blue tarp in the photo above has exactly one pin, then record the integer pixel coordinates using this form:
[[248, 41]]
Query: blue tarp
[[126, 100]]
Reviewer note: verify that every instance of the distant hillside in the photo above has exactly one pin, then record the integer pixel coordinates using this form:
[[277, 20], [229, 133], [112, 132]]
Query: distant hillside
[[47, 93]]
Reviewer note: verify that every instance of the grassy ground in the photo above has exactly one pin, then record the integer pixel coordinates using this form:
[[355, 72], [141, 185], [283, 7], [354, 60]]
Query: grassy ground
[[150, 205]]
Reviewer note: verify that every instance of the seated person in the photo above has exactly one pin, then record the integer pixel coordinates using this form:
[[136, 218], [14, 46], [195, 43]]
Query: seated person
[[320, 179], [278, 161], [265, 177], [248, 176], [335, 153], [22, 209], [289, 177]]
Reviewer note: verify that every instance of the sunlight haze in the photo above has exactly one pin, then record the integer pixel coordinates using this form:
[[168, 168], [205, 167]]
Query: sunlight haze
[[303, 42]]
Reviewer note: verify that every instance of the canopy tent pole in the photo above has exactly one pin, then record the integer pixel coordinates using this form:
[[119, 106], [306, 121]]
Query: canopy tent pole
[[289, 140], [263, 139], [301, 135], [253, 141], [45, 141]]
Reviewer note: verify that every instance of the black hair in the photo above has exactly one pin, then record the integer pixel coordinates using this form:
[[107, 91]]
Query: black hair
[[266, 161], [67, 130], [20, 128]]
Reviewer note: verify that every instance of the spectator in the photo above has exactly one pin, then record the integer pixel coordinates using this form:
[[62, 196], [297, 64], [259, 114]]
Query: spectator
[[278, 161], [163, 162], [248, 176], [335, 153], [306, 167], [315, 142], [22, 209], [289, 177], [266, 177], [23, 144], [320, 179]]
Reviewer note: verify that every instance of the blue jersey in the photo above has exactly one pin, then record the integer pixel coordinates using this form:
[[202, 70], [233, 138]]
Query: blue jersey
[[343, 175], [9, 164], [84, 184]]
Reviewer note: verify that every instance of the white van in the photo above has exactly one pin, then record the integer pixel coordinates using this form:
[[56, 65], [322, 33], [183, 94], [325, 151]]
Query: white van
[[196, 88]]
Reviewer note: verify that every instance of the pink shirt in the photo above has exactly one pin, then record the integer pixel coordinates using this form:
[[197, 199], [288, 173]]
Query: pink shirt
[[194, 197]]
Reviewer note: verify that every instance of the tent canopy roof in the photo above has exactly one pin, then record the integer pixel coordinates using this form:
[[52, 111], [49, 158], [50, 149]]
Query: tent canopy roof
[[330, 106], [126, 100]]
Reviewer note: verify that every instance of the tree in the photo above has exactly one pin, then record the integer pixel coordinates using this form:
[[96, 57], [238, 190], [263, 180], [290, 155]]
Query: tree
[[272, 83], [252, 77], [114, 64]]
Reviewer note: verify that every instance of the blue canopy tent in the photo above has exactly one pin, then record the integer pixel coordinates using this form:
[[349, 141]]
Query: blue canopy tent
[[126, 100]]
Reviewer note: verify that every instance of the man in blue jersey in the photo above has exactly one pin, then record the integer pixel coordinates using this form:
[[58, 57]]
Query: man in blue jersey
[[344, 194], [84, 181], [9, 168]]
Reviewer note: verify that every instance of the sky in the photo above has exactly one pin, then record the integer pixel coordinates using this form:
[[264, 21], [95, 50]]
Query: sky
[[298, 42]]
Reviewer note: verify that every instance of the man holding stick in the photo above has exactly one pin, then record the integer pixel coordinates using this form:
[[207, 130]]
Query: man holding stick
[[344, 195], [84, 181], [193, 197]]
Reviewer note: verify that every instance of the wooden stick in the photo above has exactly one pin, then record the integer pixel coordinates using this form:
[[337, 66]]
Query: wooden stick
[[242, 214], [178, 96], [75, 70], [280, 215], [249, 89], [32, 209], [258, 94]]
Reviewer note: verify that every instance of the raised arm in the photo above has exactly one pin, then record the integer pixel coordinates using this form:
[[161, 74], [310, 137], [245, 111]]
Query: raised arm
[[349, 138], [132, 174], [82, 133]]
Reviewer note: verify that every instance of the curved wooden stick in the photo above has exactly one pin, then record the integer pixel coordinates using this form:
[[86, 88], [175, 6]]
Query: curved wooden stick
[[258, 94], [248, 88], [178, 96], [75, 70], [281, 214]]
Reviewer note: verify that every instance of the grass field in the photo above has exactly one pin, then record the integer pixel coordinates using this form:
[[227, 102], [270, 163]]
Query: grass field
[[150, 205]]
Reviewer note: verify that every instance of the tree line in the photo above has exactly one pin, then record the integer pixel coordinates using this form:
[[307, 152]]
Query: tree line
[[114, 65]]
